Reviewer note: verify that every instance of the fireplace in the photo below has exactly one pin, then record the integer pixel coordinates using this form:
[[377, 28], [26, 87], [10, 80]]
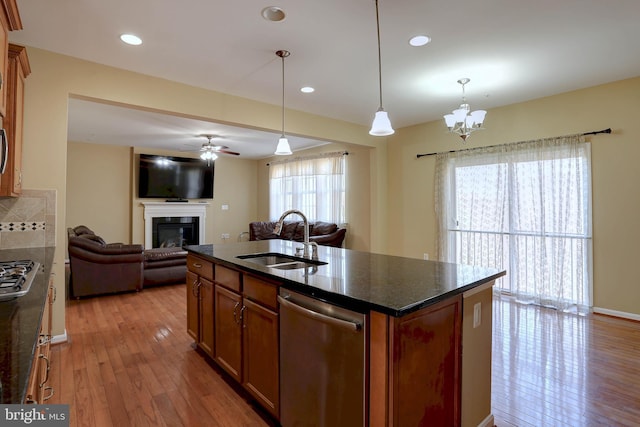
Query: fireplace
[[178, 231], [174, 224]]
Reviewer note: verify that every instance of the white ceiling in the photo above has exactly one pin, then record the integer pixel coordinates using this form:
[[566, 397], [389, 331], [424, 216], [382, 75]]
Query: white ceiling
[[117, 125], [512, 50]]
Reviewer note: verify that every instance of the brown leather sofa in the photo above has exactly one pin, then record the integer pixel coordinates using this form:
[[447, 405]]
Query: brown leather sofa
[[323, 233], [99, 268]]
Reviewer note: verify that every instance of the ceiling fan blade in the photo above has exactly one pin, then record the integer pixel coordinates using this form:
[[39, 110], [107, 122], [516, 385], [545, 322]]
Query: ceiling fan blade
[[229, 152]]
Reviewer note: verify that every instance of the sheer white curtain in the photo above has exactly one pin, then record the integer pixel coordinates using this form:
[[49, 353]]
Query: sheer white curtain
[[315, 185], [523, 207]]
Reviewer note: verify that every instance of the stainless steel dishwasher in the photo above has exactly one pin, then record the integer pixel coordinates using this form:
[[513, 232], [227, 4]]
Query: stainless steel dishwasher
[[322, 363]]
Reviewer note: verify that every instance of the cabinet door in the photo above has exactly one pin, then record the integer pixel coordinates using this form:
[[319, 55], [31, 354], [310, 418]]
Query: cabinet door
[[228, 331], [4, 53], [261, 355], [193, 323], [426, 366], [17, 70], [206, 316]]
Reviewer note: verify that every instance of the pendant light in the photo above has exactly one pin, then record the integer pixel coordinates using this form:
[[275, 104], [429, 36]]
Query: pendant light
[[283, 148], [381, 124]]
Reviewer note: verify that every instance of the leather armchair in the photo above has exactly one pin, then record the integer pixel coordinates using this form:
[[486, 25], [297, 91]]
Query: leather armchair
[[99, 268]]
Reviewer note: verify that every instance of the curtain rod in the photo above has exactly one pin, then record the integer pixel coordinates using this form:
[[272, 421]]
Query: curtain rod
[[608, 130], [315, 156]]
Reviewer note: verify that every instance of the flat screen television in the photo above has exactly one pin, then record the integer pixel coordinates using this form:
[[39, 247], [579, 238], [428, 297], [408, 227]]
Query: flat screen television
[[174, 178]]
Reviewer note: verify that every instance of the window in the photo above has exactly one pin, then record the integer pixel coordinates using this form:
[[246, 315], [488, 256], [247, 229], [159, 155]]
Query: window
[[314, 185], [525, 208]]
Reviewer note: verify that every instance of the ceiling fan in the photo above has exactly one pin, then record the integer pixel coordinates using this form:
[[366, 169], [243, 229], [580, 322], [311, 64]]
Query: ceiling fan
[[210, 152]]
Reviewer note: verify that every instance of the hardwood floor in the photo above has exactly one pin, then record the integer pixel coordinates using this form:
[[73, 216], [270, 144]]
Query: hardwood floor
[[130, 362], [556, 369]]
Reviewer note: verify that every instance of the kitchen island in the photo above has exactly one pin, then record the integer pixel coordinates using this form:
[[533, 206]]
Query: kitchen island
[[428, 339]]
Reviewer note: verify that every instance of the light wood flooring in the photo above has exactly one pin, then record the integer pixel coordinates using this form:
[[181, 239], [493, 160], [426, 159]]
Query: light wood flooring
[[130, 362]]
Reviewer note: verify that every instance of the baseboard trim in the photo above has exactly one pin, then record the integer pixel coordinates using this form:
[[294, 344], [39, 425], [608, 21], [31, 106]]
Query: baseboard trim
[[59, 339], [616, 313], [487, 422]]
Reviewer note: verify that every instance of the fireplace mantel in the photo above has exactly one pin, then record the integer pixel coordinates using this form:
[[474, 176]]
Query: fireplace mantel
[[172, 209]]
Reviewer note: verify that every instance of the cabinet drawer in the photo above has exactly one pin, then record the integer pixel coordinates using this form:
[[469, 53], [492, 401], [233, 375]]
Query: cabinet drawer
[[261, 291], [228, 278], [200, 266]]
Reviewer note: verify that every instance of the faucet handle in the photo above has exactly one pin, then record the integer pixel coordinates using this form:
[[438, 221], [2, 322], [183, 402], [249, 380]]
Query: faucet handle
[[314, 250], [299, 250], [278, 228]]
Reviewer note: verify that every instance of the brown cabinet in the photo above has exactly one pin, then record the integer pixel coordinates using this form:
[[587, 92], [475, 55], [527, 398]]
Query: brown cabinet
[[260, 341], [17, 71], [228, 331], [193, 303], [415, 370], [200, 302], [245, 329], [9, 21], [38, 390]]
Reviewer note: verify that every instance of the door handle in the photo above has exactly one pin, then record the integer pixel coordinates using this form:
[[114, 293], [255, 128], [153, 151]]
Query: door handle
[[354, 326]]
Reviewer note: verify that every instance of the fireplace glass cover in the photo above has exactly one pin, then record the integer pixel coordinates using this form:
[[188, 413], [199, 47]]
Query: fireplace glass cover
[[175, 231]]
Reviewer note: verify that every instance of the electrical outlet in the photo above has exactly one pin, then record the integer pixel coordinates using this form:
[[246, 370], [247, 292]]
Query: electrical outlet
[[477, 314], [425, 256], [225, 236], [225, 207]]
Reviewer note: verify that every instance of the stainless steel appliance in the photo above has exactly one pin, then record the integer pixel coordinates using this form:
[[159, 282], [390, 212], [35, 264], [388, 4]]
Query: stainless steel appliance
[[16, 278], [322, 363]]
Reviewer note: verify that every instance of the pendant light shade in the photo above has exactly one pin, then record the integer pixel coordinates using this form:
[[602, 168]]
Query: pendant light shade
[[283, 148], [381, 125]]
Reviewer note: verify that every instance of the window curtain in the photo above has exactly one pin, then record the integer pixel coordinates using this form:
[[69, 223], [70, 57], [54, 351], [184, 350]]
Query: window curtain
[[525, 208], [314, 185]]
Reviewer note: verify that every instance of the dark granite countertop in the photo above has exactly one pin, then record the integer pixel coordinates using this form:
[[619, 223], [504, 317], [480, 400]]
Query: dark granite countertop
[[357, 280], [19, 325]]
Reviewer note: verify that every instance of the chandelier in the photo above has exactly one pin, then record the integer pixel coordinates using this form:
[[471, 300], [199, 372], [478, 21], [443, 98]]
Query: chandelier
[[462, 121]]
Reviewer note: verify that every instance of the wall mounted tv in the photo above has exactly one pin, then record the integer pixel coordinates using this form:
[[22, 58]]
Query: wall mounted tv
[[174, 178]]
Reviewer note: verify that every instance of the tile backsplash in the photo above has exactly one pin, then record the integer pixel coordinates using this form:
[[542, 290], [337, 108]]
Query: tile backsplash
[[28, 221]]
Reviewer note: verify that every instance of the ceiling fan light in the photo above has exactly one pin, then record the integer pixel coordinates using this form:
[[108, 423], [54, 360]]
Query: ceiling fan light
[[381, 125], [283, 148], [208, 155]]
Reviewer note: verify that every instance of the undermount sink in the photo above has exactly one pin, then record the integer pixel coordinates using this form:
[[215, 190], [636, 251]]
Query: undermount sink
[[281, 261]]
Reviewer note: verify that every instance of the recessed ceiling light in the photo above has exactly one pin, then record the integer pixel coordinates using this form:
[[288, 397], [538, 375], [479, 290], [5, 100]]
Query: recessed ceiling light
[[307, 89], [420, 40], [131, 39], [273, 13]]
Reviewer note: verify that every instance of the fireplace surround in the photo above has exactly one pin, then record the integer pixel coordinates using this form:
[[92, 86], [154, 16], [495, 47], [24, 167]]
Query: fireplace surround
[[196, 212]]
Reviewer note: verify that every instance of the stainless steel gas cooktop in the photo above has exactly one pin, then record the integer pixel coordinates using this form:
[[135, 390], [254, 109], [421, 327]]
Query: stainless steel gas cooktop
[[16, 278]]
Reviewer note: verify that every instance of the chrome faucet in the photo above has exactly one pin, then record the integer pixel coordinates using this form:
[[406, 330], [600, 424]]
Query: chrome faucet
[[278, 229]]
